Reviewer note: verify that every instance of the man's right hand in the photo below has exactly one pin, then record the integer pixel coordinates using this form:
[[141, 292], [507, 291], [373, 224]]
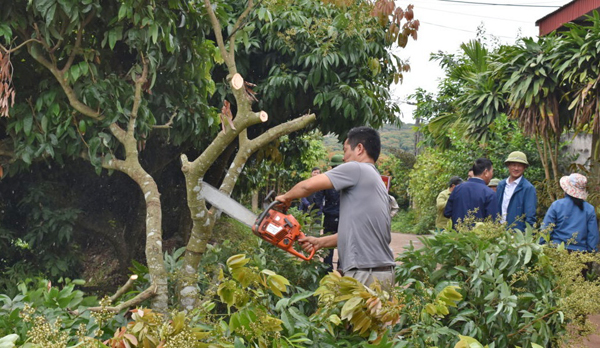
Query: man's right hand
[[283, 199], [309, 243]]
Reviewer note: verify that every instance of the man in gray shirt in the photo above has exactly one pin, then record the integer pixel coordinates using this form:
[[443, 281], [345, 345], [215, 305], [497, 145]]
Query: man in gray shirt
[[363, 236]]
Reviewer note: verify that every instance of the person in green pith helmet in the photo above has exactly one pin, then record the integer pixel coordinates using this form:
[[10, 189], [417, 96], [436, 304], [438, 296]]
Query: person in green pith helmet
[[517, 198], [494, 184]]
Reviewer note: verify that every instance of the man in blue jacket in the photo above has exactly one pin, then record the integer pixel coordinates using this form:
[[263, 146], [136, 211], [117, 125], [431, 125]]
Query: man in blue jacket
[[517, 199], [474, 197]]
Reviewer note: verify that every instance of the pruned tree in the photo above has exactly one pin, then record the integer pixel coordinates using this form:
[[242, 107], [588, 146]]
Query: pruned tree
[[100, 80]]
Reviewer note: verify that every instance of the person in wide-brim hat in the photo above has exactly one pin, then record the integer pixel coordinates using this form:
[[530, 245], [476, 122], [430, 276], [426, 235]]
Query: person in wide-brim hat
[[574, 185], [572, 219]]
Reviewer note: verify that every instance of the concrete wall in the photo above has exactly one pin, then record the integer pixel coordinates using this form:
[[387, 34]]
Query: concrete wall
[[579, 147]]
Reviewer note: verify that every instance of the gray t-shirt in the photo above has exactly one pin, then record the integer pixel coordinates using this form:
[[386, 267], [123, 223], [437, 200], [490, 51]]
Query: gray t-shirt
[[364, 228]]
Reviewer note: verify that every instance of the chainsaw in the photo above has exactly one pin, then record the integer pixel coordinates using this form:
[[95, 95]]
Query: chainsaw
[[273, 224]]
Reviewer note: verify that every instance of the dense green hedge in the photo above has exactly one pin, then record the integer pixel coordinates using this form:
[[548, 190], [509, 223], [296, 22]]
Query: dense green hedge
[[482, 284]]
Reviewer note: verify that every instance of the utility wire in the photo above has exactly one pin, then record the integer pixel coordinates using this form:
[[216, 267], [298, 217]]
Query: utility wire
[[465, 30], [495, 4], [469, 15]]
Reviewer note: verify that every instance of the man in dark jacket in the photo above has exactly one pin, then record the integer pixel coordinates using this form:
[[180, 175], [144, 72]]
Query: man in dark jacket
[[474, 197], [329, 203], [517, 199]]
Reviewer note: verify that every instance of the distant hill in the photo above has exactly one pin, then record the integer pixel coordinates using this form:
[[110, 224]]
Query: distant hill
[[392, 138], [398, 138]]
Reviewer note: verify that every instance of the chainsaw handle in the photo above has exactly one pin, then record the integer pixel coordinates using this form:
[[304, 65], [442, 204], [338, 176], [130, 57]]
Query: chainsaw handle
[[300, 255], [262, 215]]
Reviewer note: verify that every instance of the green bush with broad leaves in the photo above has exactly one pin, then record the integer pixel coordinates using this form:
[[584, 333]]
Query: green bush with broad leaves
[[481, 284], [515, 291]]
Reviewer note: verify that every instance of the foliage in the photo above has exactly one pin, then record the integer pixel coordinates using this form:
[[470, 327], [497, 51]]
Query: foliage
[[330, 57], [516, 291], [130, 86], [40, 309], [41, 239], [398, 165], [394, 139], [476, 285]]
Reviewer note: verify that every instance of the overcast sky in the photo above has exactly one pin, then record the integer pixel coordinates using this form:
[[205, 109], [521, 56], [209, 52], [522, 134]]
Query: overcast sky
[[445, 24]]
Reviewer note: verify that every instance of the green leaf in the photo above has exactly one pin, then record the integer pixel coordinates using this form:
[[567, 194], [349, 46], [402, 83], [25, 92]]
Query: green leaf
[[349, 307], [153, 32], [123, 10], [74, 72], [27, 124]]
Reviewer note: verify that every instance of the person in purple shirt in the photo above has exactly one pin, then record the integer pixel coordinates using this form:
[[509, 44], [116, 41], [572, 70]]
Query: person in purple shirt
[[474, 197], [572, 219]]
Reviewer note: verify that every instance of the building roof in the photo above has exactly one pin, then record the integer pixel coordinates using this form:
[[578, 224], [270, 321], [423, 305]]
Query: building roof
[[574, 11]]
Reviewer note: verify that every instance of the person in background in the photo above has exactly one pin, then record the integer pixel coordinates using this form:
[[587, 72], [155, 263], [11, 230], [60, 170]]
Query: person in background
[[517, 198], [364, 234], [329, 201], [474, 197], [572, 219], [470, 174], [441, 222], [310, 202], [494, 184]]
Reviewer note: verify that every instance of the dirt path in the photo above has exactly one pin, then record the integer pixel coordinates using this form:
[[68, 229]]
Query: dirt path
[[402, 240]]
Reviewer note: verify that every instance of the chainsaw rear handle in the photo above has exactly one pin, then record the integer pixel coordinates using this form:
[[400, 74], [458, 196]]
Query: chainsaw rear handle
[[292, 251], [300, 255]]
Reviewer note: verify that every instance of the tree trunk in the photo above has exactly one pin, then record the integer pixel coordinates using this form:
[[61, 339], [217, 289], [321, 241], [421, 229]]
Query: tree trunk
[[255, 200], [595, 157], [544, 160]]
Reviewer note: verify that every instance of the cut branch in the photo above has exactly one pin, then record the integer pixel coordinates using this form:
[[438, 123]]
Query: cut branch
[[124, 288], [141, 297]]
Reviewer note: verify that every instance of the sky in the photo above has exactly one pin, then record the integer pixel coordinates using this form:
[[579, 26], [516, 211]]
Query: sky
[[445, 24]]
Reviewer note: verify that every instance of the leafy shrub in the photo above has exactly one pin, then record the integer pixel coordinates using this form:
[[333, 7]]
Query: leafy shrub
[[516, 292], [38, 239], [46, 314], [398, 165], [482, 284]]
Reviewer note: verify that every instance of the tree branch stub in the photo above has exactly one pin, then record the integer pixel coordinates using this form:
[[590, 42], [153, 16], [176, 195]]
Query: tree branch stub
[[237, 81]]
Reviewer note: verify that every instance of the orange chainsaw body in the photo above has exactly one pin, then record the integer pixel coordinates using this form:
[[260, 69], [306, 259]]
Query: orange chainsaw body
[[280, 229]]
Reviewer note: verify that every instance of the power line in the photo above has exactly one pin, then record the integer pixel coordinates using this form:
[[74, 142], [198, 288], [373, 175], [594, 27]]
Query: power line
[[494, 4], [471, 15], [465, 30]]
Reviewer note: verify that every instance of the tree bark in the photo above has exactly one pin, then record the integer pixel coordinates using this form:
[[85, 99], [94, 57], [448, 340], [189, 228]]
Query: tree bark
[[131, 166]]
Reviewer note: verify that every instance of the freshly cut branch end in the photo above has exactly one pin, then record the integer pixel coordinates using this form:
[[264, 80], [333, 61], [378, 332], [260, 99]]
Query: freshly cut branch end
[[237, 81], [263, 116]]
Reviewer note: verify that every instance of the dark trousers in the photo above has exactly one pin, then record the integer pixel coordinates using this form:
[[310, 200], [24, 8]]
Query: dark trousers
[[330, 226]]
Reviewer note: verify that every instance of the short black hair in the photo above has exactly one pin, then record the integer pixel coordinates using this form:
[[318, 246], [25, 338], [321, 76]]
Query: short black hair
[[368, 137], [481, 164], [316, 168], [455, 180]]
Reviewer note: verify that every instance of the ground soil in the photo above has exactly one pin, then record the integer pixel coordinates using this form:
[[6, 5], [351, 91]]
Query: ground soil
[[402, 240]]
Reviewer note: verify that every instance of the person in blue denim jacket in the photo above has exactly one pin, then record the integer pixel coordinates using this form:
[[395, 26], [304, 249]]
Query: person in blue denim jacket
[[572, 219], [517, 198]]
